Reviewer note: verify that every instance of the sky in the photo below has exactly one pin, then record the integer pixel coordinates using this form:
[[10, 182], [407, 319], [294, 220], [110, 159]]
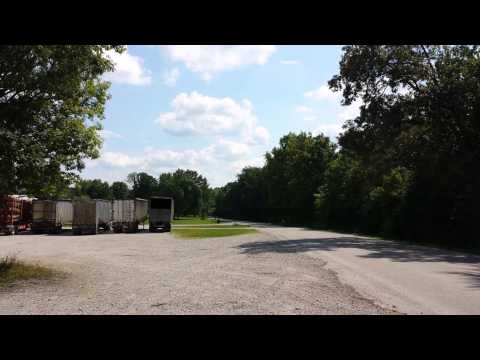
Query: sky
[[213, 109]]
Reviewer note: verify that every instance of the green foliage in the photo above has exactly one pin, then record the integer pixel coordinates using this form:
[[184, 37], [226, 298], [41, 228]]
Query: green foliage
[[341, 196], [189, 189], [143, 185], [420, 113], [93, 189], [283, 190], [52, 100], [120, 190], [407, 166]]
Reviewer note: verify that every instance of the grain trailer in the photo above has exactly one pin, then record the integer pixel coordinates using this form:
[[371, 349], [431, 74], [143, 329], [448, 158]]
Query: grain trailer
[[49, 216], [128, 214], [89, 216]]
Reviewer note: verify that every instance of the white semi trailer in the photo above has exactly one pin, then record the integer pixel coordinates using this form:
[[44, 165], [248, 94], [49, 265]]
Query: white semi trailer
[[128, 214], [89, 216], [160, 212], [51, 215]]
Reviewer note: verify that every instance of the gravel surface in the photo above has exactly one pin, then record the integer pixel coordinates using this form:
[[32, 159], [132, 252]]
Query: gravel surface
[[156, 273], [409, 278]]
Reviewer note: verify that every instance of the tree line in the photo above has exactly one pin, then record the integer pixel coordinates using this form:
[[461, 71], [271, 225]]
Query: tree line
[[406, 167], [190, 190]]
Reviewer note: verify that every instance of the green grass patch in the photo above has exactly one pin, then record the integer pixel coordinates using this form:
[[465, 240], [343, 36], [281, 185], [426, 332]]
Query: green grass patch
[[214, 232], [212, 226], [190, 220], [12, 270]]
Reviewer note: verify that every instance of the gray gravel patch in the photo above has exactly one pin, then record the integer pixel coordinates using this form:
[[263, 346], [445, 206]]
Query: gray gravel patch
[[157, 273]]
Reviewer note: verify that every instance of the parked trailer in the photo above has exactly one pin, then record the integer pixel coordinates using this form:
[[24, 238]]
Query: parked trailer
[[127, 214], [89, 216], [160, 211], [51, 215], [15, 213]]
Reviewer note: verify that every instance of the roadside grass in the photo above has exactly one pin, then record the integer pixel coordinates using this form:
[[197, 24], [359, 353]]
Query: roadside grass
[[214, 232], [12, 270], [213, 226], [193, 220]]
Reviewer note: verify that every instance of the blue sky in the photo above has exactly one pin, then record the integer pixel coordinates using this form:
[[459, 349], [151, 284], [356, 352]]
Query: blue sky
[[214, 109]]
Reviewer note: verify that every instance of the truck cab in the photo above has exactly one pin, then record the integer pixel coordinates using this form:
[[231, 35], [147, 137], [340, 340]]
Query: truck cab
[[160, 212]]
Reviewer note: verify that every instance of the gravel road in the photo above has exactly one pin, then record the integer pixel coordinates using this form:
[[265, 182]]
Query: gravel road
[[413, 279], [157, 273]]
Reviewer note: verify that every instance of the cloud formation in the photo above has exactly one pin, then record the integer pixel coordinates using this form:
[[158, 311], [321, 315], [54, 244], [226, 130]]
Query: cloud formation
[[129, 69], [208, 60], [197, 114], [170, 77], [323, 93]]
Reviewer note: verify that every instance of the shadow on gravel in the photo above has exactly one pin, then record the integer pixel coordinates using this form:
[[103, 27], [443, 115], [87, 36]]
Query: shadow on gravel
[[377, 249], [473, 277]]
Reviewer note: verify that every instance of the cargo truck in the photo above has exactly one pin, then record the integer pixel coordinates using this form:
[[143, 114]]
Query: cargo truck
[[128, 214], [49, 216], [89, 216], [160, 212], [15, 214]]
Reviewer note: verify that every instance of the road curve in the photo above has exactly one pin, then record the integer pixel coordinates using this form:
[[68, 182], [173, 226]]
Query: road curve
[[408, 278]]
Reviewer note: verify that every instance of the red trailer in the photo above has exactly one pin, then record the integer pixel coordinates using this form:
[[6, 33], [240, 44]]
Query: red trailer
[[15, 214]]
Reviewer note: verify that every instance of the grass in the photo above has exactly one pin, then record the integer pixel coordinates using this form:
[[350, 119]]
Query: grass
[[191, 220], [12, 270], [214, 232], [213, 226]]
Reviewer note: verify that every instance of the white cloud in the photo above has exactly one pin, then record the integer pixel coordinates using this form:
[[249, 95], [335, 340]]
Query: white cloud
[[351, 111], [197, 114], [128, 69], [208, 60], [238, 165], [289, 62], [323, 93], [228, 149], [303, 109], [170, 77], [333, 128], [226, 155], [117, 159], [108, 134], [330, 130]]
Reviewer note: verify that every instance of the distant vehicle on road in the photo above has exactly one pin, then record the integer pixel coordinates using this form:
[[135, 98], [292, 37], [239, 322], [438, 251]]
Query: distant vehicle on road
[[160, 211]]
